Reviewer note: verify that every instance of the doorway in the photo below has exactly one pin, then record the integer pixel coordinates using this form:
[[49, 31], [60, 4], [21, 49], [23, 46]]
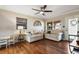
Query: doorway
[[72, 28]]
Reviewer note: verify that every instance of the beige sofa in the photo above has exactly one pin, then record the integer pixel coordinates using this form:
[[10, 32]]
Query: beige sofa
[[34, 36], [55, 35]]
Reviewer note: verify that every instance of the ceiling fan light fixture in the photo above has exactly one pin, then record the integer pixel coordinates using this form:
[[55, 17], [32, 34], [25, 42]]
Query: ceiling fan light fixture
[[41, 12]]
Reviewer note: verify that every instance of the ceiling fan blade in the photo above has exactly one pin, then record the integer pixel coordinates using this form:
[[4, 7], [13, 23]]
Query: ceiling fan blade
[[45, 6], [37, 13], [35, 9], [48, 11]]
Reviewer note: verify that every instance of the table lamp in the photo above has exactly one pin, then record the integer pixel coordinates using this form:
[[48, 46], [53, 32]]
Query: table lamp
[[20, 28]]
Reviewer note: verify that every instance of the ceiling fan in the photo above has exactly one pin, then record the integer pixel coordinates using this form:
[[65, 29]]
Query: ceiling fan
[[42, 10]]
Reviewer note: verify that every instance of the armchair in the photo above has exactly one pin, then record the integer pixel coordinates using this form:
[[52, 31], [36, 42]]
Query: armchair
[[31, 37]]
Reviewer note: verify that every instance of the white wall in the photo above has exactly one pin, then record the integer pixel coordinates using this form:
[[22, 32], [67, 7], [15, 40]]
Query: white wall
[[8, 21]]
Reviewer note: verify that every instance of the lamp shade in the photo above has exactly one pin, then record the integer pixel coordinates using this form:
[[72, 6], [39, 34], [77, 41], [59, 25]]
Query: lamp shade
[[20, 27], [41, 12]]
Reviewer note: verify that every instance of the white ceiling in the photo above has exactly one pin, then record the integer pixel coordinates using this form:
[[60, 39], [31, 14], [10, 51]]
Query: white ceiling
[[27, 10]]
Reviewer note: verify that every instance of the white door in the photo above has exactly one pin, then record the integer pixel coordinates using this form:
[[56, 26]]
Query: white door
[[72, 27]]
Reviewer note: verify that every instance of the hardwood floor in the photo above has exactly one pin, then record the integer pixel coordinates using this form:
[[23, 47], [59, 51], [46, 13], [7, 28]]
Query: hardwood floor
[[39, 47]]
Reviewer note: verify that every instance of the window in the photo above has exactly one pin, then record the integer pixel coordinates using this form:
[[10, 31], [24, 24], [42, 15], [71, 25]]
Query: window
[[57, 25], [49, 26], [37, 23], [21, 22], [73, 27]]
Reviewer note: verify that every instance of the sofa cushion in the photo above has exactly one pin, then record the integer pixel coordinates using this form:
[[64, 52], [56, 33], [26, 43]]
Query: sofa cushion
[[35, 35], [57, 31]]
